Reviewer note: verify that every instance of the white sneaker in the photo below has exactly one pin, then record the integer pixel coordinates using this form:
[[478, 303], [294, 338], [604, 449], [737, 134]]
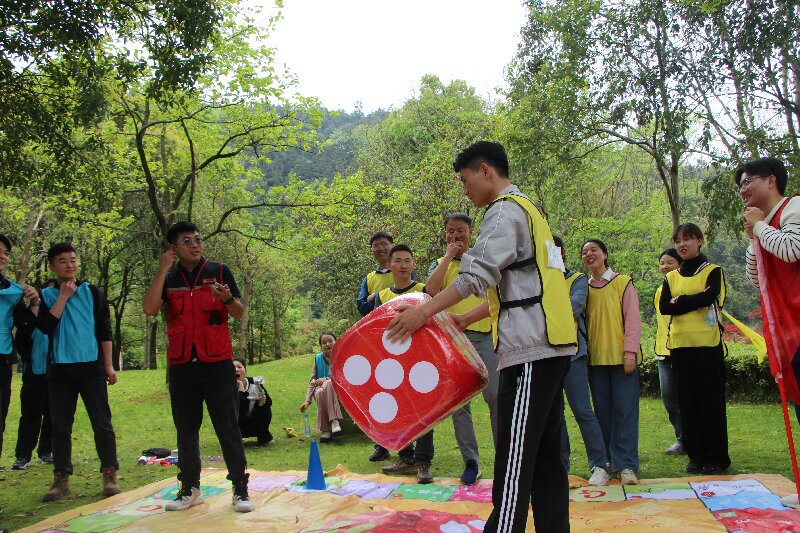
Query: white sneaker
[[335, 427], [628, 477], [242, 504], [790, 501], [187, 497], [600, 477], [675, 449]]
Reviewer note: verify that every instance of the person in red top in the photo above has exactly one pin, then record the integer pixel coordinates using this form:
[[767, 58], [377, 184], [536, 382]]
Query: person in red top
[[200, 294], [772, 221]]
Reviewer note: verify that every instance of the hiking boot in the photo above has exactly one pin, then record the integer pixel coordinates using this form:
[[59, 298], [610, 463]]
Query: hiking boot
[[694, 468], [401, 466], [241, 500], [675, 449], [712, 470], [185, 498], [424, 473], [335, 427], [58, 489], [110, 486], [380, 454], [600, 477], [20, 464], [46, 458], [471, 473], [628, 477]]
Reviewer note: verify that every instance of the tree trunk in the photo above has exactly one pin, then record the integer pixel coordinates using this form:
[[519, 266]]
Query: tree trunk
[[245, 321], [116, 346], [276, 328], [34, 218]]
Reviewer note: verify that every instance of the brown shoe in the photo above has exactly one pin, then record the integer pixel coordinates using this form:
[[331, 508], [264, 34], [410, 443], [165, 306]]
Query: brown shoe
[[59, 489], [110, 486]]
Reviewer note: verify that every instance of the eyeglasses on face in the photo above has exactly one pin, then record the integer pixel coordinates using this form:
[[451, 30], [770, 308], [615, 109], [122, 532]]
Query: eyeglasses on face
[[187, 242], [745, 182], [380, 245], [457, 232]]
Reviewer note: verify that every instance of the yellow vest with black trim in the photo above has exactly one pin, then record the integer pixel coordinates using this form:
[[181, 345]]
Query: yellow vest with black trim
[[377, 281], [554, 297], [662, 323], [605, 324], [469, 303], [691, 330], [389, 293]]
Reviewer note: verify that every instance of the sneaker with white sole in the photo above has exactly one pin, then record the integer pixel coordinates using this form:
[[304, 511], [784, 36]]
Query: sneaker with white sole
[[335, 427], [600, 477], [241, 499], [21, 463], [628, 477], [790, 501], [675, 449], [186, 497]]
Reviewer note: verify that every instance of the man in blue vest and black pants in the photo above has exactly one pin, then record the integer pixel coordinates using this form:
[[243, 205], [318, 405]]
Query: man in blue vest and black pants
[[200, 294]]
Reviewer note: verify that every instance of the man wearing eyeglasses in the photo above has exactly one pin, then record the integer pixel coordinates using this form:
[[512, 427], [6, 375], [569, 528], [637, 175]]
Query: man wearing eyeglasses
[[772, 221], [381, 278], [200, 294]]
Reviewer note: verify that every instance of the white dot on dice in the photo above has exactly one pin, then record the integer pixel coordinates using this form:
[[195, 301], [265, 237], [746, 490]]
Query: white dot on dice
[[383, 407], [357, 370], [389, 374], [423, 377], [395, 347]]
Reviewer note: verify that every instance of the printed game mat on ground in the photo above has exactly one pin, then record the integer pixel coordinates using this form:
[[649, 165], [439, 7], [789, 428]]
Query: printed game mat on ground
[[748, 503]]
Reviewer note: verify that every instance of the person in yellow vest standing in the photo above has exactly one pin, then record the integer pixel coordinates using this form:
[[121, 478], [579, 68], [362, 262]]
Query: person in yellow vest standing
[[576, 384], [667, 262], [458, 232], [692, 295], [375, 281], [516, 264], [614, 331]]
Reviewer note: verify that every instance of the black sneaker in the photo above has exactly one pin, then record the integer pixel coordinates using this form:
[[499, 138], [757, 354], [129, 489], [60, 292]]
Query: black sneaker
[[694, 468], [712, 470], [21, 464], [46, 458], [471, 473], [380, 454]]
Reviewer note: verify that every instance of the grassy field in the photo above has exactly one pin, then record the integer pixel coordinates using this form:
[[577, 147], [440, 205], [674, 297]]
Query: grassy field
[[142, 419]]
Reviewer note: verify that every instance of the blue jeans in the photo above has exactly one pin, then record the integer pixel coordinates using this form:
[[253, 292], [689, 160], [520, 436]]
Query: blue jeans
[[616, 404], [669, 395], [424, 451], [576, 387]]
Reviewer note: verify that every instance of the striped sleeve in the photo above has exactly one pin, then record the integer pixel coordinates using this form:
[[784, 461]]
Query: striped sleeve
[[752, 266], [783, 243]]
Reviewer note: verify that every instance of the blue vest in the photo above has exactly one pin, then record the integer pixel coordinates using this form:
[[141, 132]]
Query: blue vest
[[9, 298], [74, 339], [323, 370]]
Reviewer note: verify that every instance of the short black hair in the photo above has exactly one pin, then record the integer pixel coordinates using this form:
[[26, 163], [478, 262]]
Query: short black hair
[[491, 153], [557, 241], [600, 244], [673, 253], [380, 235], [687, 230], [180, 227], [765, 166], [400, 248], [326, 332], [58, 249], [5, 240], [458, 216]]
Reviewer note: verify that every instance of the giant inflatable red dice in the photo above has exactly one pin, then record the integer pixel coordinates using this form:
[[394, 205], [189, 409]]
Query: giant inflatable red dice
[[396, 391]]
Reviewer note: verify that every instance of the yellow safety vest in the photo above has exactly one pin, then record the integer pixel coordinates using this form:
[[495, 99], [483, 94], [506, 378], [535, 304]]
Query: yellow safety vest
[[554, 297], [377, 281], [701, 327], [662, 321], [389, 293], [469, 303], [605, 324]]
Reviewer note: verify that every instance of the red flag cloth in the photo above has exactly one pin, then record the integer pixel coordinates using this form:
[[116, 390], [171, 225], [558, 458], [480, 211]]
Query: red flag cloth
[[396, 391], [779, 284]]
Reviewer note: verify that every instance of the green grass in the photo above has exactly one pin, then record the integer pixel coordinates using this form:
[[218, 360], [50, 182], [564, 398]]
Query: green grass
[[142, 419]]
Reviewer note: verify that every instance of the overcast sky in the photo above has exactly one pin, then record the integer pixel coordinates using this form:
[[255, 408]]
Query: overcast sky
[[375, 51]]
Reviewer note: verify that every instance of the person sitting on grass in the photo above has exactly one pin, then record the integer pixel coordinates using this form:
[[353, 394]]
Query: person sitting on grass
[[255, 405], [320, 387]]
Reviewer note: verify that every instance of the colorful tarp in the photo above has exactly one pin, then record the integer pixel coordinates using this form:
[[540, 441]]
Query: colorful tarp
[[357, 502]]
